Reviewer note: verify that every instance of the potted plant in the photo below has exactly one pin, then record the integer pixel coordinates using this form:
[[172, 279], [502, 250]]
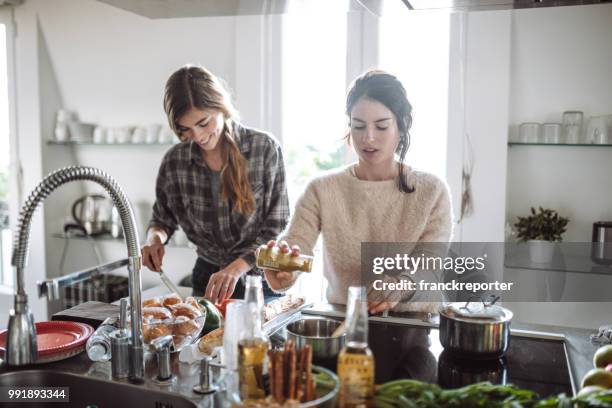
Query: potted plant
[[541, 230]]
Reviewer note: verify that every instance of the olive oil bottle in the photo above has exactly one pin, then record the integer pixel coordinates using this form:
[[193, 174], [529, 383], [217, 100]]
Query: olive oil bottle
[[253, 345], [356, 361]]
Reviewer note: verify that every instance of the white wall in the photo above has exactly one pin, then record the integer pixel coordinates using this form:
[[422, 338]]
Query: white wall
[[562, 60], [486, 72]]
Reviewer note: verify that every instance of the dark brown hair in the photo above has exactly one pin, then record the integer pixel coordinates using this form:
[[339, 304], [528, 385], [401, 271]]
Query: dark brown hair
[[385, 88], [196, 87]]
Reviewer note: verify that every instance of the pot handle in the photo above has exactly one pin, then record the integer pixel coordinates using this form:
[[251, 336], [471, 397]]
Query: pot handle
[[491, 299]]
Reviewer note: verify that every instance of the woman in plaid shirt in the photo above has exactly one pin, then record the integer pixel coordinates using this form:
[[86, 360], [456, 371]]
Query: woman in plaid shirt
[[224, 185]]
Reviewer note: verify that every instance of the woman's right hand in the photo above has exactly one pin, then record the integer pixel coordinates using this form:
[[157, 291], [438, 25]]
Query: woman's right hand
[[280, 280], [153, 253]]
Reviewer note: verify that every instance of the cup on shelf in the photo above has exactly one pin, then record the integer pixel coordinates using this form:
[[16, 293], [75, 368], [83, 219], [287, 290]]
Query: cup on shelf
[[165, 135], [551, 133], [572, 126], [123, 134], [61, 132], [598, 130], [530, 132], [111, 135], [152, 133], [99, 135], [139, 135]]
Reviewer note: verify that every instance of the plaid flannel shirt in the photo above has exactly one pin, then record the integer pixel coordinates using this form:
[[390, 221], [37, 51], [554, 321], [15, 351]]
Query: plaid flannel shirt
[[184, 198]]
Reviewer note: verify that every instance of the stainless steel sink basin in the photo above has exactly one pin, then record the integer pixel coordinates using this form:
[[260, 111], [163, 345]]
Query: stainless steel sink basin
[[89, 392]]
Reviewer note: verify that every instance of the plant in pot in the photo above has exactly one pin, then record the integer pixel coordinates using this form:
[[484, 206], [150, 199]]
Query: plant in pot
[[541, 230]]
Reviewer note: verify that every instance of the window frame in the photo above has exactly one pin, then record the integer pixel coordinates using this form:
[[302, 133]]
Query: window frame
[[7, 18]]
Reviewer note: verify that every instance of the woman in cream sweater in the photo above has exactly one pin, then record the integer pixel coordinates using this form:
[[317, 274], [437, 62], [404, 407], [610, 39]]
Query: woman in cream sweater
[[377, 199]]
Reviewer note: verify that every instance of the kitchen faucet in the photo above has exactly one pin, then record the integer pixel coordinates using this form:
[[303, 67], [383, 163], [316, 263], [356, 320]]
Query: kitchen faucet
[[21, 347]]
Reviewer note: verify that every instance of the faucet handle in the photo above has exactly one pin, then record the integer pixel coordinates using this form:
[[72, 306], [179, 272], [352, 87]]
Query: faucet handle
[[162, 348], [206, 385]]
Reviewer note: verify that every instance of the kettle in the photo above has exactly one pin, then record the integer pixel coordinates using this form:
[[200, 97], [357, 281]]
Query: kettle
[[92, 212], [601, 247]]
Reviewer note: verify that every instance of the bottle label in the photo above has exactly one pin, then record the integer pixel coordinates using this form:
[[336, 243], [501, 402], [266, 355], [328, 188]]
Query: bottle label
[[356, 374]]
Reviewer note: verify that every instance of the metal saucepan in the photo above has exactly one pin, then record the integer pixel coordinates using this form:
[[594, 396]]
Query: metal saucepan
[[475, 329], [317, 331]]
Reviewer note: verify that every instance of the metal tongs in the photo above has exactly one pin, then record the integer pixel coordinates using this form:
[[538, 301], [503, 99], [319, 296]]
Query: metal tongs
[[169, 284]]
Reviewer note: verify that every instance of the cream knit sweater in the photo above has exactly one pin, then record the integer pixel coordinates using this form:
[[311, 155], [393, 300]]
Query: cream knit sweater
[[348, 211]]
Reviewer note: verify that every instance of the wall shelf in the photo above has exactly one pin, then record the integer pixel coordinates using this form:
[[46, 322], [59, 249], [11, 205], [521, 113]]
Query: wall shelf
[[91, 143], [559, 144], [575, 258], [106, 238]]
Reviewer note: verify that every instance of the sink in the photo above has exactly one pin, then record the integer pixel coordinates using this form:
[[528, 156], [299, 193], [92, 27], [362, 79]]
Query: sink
[[89, 392]]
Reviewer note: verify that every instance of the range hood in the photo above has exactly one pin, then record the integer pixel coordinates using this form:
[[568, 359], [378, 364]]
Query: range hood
[[473, 5], [158, 9]]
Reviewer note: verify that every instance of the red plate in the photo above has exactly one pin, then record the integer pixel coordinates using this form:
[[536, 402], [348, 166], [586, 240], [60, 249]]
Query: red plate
[[56, 340]]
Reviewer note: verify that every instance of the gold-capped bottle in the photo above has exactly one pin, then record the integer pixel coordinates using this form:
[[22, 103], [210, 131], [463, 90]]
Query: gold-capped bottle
[[356, 361], [253, 345], [273, 258]]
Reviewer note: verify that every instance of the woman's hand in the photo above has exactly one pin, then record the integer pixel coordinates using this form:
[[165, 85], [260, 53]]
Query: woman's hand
[[279, 280], [153, 253], [222, 284], [381, 300]]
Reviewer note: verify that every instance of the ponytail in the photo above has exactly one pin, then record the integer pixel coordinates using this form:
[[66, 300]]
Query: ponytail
[[234, 176]]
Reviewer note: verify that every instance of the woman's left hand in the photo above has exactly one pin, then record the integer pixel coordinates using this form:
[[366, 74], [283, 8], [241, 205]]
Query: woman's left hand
[[221, 285]]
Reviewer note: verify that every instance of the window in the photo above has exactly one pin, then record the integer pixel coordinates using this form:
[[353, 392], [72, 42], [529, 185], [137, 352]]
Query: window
[[422, 66], [313, 121], [6, 275]]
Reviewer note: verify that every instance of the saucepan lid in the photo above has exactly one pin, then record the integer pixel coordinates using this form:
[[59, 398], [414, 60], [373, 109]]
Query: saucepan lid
[[477, 310]]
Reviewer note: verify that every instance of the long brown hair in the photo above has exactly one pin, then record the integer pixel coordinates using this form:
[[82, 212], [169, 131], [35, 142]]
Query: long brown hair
[[385, 88], [196, 87]]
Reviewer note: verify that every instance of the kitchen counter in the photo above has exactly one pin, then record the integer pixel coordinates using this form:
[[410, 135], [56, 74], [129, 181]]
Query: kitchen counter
[[578, 346]]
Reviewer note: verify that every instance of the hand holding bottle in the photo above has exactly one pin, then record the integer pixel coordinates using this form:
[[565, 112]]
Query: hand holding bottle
[[277, 278]]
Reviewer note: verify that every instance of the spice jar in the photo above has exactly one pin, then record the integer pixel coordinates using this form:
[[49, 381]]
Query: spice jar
[[273, 258]]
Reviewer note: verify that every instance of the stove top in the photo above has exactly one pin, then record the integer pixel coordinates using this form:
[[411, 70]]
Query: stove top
[[401, 351]]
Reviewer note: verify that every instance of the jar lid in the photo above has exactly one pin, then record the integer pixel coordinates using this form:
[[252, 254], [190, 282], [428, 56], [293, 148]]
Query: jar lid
[[476, 311]]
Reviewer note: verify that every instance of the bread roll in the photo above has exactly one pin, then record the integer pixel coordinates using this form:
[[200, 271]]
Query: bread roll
[[213, 339], [184, 309], [152, 331], [185, 326], [150, 314], [171, 299], [152, 302], [190, 300]]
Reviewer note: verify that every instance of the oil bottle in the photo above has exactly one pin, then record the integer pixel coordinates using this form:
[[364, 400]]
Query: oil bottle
[[356, 361], [253, 345]]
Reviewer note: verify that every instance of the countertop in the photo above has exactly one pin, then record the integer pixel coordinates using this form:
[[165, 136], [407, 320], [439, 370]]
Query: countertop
[[579, 348]]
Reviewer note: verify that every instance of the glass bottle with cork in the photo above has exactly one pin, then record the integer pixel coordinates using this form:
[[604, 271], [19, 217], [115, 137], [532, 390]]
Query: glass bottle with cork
[[274, 258], [253, 345], [356, 361]]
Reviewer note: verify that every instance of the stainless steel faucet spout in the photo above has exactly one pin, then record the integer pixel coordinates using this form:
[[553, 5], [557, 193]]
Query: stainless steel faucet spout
[[21, 340]]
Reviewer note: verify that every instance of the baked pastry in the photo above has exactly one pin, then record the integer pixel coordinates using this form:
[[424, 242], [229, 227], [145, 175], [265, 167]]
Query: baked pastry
[[171, 299], [185, 326], [151, 331], [190, 300], [150, 314], [213, 339], [281, 305], [185, 309], [152, 302]]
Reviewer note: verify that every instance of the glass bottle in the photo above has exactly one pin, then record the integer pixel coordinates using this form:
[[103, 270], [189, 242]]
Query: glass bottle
[[98, 345], [253, 345], [356, 361], [273, 258]]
